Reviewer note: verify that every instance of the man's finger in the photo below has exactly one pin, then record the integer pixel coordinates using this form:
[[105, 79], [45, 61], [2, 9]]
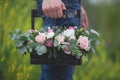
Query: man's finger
[[53, 14], [45, 10], [59, 12]]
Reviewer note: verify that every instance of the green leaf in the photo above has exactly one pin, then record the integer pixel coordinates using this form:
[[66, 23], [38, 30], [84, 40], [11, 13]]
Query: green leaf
[[80, 30], [18, 43], [35, 33], [54, 55], [22, 49], [74, 52], [73, 47], [78, 56], [18, 31], [42, 30], [41, 49], [94, 32], [97, 42], [14, 36], [11, 34], [31, 45], [32, 37], [56, 43], [27, 34], [49, 56], [93, 50], [87, 32], [85, 58], [23, 38], [63, 46], [30, 50], [59, 47]]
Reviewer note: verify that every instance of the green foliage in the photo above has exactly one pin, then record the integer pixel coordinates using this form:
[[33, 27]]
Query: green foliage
[[102, 66], [13, 66]]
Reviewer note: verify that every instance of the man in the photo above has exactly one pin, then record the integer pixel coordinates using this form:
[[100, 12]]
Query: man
[[53, 10]]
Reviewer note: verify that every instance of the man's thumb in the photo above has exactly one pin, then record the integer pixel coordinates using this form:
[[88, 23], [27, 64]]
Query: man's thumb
[[63, 6]]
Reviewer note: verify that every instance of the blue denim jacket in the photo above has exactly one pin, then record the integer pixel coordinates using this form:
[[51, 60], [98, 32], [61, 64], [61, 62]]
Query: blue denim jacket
[[58, 72]]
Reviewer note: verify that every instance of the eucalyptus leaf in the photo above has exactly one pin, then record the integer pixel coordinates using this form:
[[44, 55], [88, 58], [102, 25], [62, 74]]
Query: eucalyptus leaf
[[14, 36], [93, 50], [97, 42], [42, 30], [41, 49], [35, 33], [23, 38], [63, 46], [79, 52], [18, 31], [49, 56], [11, 34], [73, 47], [19, 43], [56, 43], [87, 32], [32, 37], [78, 56], [81, 29], [59, 47], [94, 32], [74, 52], [30, 50], [22, 49], [54, 55], [27, 34], [31, 45], [85, 58]]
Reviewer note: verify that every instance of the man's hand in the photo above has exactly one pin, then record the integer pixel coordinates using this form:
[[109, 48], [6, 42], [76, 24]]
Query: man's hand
[[84, 18], [53, 8]]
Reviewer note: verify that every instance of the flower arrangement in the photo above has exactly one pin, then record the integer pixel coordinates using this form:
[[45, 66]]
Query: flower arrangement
[[71, 40]]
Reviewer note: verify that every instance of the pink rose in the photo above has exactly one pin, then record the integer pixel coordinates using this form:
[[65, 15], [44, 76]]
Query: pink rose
[[83, 42], [49, 43], [40, 38], [60, 39]]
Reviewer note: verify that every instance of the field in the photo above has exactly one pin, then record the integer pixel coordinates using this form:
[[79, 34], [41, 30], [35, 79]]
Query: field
[[104, 65]]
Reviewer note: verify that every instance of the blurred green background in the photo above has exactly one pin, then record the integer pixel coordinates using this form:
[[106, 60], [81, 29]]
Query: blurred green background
[[103, 16]]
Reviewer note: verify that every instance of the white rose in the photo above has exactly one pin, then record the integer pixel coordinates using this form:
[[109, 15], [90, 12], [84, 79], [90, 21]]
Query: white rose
[[83, 43]]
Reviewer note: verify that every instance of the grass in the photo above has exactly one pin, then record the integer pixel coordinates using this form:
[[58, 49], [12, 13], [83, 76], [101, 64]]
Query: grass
[[101, 66]]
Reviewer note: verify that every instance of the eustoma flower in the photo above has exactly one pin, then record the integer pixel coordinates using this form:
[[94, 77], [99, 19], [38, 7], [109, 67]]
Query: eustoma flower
[[50, 33], [49, 43], [69, 32]]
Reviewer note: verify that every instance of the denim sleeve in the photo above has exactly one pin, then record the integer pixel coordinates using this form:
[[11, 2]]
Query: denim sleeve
[[39, 4]]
